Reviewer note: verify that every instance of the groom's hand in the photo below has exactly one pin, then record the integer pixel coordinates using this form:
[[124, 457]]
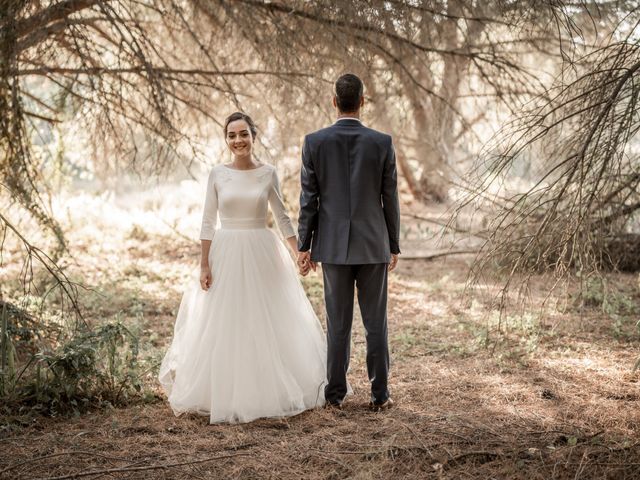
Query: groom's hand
[[394, 261]]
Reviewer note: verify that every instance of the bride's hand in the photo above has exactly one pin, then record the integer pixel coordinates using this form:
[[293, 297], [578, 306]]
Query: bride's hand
[[205, 277]]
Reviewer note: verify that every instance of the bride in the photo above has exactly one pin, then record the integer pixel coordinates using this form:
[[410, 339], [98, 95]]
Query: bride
[[247, 343]]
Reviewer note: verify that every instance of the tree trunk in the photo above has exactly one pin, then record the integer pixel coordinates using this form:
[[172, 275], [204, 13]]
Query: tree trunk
[[434, 115]]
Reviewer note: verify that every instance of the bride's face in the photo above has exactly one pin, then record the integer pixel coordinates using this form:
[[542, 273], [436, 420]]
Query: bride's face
[[239, 138]]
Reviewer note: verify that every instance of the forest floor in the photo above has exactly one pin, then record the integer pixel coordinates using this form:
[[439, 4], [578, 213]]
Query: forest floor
[[545, 391]]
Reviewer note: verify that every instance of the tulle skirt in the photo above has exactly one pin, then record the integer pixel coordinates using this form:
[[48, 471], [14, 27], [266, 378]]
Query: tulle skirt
[[251, 346]]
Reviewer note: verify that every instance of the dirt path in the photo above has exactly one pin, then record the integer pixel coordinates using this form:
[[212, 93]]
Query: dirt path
[[553, 396]]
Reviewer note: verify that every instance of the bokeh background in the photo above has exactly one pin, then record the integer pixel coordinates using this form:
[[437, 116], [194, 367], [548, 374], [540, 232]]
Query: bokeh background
[[514, 310]]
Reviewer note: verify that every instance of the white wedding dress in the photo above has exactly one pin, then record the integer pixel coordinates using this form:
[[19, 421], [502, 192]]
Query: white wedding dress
[[251, 346]]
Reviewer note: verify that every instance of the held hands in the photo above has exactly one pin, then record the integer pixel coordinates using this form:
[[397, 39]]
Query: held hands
[[305, 263], [206, 279]]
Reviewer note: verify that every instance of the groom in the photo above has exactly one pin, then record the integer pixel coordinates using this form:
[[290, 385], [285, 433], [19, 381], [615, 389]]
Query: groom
[[350, 221]]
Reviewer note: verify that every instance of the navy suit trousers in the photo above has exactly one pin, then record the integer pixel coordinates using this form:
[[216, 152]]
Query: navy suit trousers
[[371, 283]]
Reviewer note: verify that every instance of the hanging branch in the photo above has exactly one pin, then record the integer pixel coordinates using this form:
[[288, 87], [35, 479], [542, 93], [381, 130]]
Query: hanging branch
[[579, 213]]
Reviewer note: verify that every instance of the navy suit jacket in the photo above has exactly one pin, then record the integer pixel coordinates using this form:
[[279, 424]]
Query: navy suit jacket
[[349, 208]]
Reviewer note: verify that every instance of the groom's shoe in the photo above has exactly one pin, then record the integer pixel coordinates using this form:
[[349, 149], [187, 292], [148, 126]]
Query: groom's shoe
[[377, 407], [333, 405]]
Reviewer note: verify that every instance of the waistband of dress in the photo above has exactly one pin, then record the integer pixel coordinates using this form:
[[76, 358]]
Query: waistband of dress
[[243, 223]]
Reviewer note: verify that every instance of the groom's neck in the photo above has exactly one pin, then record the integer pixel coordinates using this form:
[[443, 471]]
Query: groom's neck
[[355, 114]]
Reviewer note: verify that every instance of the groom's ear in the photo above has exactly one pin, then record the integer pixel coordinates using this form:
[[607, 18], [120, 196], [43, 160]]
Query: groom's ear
[[361, 101], [334, 101]]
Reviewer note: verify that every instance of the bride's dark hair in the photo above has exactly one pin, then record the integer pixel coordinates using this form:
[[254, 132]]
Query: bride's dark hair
[[241, 116]]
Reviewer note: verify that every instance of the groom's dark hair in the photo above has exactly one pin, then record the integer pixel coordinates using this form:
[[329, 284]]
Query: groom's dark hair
[[349, 91]]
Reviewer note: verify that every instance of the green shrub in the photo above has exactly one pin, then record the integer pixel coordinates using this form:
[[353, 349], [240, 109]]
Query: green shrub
[[94, 367]]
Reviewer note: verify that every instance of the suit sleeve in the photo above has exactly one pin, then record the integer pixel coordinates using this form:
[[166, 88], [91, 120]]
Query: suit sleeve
[[309, 197], [390, 202], [210, 213], [278, 208]]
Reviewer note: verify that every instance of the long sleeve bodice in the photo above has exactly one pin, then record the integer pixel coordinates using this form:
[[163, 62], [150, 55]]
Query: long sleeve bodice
[[240, 199]]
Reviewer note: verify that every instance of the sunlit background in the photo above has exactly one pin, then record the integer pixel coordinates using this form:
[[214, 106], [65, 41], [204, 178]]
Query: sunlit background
[[513, 313]]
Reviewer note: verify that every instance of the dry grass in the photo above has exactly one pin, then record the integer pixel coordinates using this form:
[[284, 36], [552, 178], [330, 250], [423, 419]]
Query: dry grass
[[551, 396]]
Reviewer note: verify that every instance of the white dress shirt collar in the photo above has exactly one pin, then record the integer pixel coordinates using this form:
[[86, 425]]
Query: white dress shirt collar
[[348, 118]]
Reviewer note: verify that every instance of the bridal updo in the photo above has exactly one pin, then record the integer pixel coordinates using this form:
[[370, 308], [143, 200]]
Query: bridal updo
[[241, 116]]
